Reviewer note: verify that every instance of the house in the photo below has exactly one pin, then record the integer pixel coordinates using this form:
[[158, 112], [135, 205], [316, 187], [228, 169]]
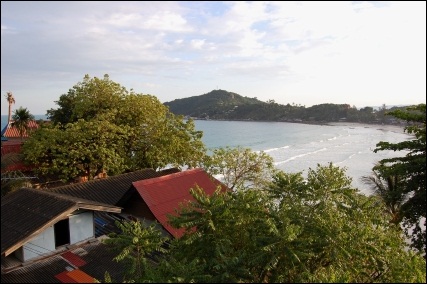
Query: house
[[145, 194], [11, 143], [156, 198], [30, 229], [11, 133]]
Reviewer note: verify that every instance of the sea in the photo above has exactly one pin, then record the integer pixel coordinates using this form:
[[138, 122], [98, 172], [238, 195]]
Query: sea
[[297, 147]]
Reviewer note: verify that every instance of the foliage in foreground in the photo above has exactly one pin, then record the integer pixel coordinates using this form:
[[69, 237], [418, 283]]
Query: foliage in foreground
[[410, 170], [317, 229], [135, 245]]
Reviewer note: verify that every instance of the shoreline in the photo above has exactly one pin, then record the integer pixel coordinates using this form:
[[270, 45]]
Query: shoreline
[[390, 127]]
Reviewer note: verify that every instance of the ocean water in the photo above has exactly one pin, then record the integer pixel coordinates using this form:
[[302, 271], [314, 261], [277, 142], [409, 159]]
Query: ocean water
[[296, 147]]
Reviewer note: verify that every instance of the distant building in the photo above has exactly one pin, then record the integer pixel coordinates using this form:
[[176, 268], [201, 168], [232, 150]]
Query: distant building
[[10, 133]]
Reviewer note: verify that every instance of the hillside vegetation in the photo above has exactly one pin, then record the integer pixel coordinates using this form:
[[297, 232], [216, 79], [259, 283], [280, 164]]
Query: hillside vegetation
[[224, 105]]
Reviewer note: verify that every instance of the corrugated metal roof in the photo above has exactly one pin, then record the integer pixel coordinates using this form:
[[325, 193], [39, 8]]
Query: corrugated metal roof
[[165, 194], [107, 190], [9, 147], [73, 259], [9, 131], [64, 278], [98, 258], [26, 210], [12, 146], [80, 276]]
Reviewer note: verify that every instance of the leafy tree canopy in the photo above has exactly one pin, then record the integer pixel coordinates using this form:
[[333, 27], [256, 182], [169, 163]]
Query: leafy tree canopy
[[99, 125], [83, 148], [411, 170], [240, 167], [134, 245]]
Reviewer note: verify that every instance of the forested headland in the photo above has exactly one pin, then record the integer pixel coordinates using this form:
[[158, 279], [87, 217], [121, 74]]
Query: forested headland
[[224, 105]]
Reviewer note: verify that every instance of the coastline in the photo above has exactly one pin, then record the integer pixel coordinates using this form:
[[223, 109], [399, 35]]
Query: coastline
[[388, 127]]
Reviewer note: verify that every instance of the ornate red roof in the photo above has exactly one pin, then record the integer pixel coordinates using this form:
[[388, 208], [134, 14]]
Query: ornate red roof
[[12, 132]]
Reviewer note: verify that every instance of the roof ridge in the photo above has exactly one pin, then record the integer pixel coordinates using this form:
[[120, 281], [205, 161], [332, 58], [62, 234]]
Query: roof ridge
[[169, 176], [89, 182], [76, 200]]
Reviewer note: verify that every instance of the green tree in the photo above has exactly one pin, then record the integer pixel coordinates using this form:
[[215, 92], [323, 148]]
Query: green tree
[[64, 113], [240, 167], [110, 128], [316, 229], [93, 97], [224, 236], [411, 168], [134, 245], [83, 148], [366, 114], [158, 137], [21, 119], [388, 189]]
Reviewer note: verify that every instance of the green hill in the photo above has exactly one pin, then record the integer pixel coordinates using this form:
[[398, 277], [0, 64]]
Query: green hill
[[224, 105], [217, 104]]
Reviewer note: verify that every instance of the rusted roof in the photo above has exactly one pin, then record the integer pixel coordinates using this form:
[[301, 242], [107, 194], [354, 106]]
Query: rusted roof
[[9, 151], [108, 190], [165, 194], [73, 258], [9, 131], [97, 256], [12, 146], [80, 276], [26, 212]]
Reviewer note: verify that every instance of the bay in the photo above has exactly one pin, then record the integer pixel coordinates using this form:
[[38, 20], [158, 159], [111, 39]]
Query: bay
[[296, 147]]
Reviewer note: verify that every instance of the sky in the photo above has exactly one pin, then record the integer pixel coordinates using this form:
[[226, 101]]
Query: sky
[[307, 53]]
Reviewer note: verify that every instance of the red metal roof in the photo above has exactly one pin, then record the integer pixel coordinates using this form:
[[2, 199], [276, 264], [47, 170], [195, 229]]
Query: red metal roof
[[80, 276], [10, 147], [165, 194], [75, 276], [73, 258], [64, 278], [13, 146]]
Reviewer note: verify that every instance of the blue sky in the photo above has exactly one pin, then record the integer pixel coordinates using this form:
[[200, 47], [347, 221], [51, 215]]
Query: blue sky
[[359, 53]]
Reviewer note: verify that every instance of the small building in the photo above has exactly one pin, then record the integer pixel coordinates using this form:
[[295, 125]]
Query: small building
[[11, 133], [36, 223], [11, 143]]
